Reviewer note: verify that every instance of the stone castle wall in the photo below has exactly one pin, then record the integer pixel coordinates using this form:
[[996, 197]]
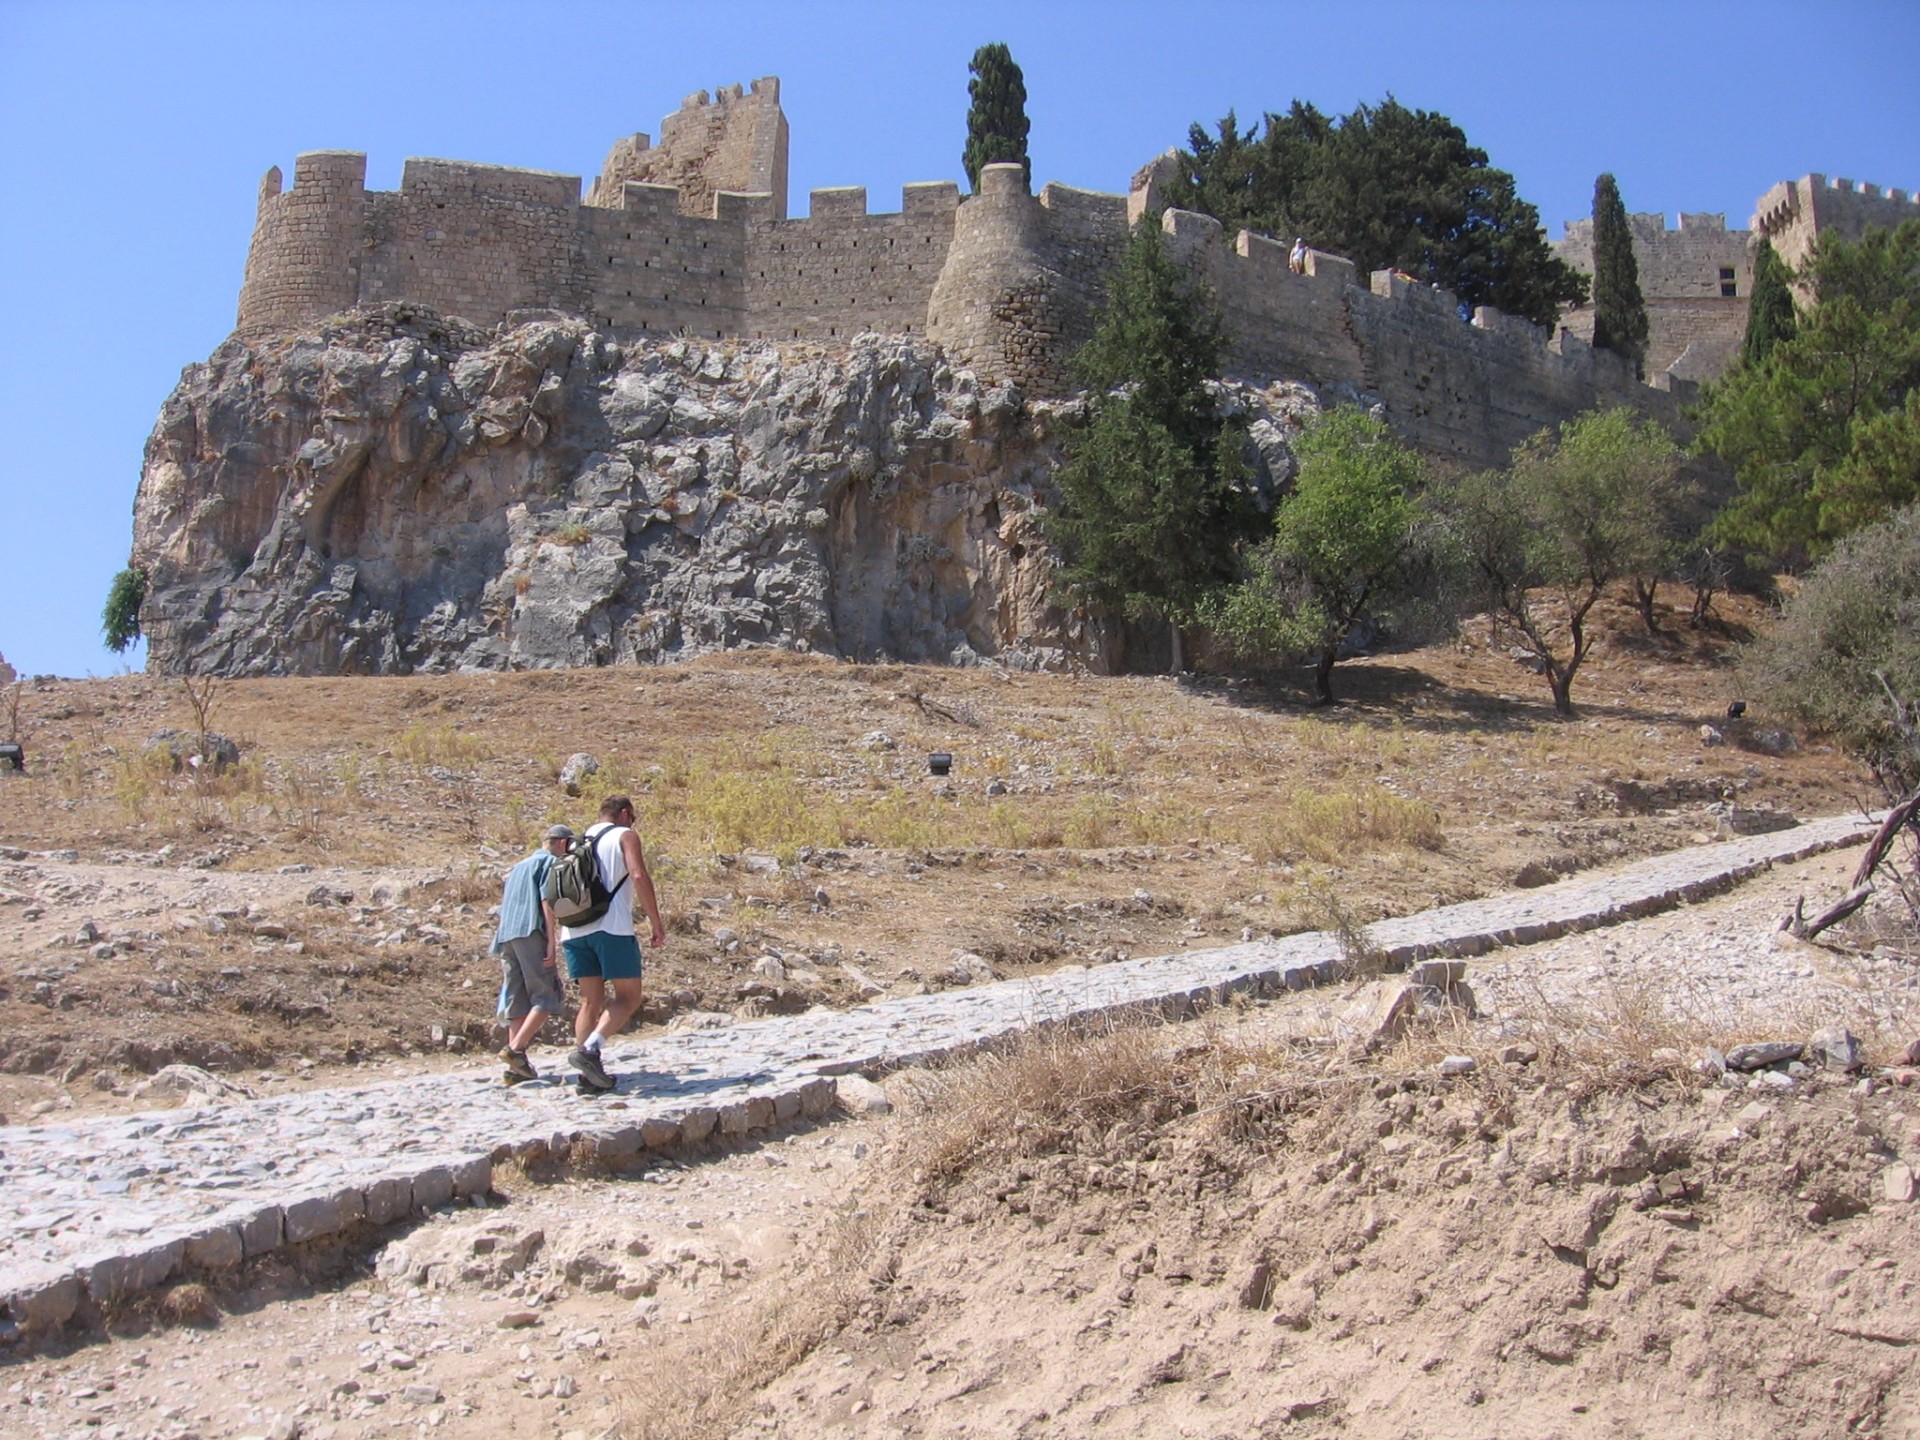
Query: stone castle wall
[[1793, 212], [1696, 281], [1465, 390], [1008, 282]]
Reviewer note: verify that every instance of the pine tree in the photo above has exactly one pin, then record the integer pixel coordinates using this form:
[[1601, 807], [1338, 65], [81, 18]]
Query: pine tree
[[1619, 311], [997, 118], [1770, 316], [1153, 504], [1389, 188]]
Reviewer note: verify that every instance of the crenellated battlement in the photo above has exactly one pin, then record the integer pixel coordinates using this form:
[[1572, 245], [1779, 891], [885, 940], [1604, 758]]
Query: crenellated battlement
[[1696, 279], [1794, 212], [692, 236]]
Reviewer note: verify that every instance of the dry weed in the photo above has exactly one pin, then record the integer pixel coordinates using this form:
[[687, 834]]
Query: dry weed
[[1033, 1093], [188, 1303]]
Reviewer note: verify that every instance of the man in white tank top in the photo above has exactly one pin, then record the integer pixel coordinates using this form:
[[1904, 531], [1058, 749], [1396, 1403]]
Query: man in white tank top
[[604, 957]]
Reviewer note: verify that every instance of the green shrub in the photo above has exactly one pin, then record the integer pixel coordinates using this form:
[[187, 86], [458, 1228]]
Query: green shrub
[[1845, 657], [120, 619]]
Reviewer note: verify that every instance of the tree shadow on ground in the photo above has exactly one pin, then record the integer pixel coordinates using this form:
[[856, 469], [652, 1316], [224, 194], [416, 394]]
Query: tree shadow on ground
[[1387, 695]]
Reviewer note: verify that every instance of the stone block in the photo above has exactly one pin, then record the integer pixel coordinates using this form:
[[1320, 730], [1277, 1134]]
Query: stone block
[[1379, 1013], [617, 1144], [1836, 1047], [1440, 974], [432, 1188], [318, 1216], [473, 1177], [657, 1134], [115, 1277], [262, 1230], [217, 1247], [1762, 1053], [817, 1097], [1898, 1184], [697, 1124], [44, 1299], [786, 1106], [860, 1096], [733, 1119], [389, 1200]]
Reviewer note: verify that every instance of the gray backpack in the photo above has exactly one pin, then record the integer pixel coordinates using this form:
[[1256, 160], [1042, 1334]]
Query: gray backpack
[[574, 886]]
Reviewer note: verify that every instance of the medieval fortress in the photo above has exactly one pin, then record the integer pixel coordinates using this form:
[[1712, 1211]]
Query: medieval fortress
[[691, 236]]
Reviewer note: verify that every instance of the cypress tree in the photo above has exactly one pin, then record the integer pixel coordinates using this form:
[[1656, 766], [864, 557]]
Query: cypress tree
[[1153, 503], [1770, 317], [997, 118], [1619, 311]]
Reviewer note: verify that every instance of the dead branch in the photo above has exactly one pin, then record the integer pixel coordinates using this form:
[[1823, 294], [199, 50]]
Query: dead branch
[[1804, 929], [959, 715]]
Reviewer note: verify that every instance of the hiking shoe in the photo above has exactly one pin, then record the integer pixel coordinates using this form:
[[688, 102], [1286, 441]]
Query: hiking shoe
[[592, 1072], [518, 1066]]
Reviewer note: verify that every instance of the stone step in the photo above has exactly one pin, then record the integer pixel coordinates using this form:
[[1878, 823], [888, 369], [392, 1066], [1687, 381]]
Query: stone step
[[99, 1210]]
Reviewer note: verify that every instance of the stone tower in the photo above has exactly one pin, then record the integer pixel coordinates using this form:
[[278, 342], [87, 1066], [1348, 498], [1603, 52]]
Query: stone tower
[[1000, 306], [735, 140]]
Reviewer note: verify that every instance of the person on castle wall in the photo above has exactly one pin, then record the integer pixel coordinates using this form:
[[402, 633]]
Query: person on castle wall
[[604, 957], [528, 944], [1297, 257]]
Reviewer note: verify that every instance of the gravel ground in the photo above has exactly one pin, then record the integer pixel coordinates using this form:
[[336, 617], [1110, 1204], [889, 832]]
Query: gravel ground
[[1723, 964]]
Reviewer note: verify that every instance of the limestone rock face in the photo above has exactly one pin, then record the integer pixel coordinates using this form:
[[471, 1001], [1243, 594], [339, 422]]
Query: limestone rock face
[[393, 492]]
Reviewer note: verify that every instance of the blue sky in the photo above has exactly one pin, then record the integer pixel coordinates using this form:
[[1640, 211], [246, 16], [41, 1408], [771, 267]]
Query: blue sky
[[139, 132]]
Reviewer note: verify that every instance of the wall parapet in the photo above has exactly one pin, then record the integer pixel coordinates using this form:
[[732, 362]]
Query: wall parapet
[[691, 235]]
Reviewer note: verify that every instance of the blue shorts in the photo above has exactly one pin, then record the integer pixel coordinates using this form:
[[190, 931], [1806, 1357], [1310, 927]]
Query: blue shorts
[[601, 956]]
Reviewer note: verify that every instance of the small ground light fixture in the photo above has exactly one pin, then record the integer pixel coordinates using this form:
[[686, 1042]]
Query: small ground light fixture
[[939, 763]]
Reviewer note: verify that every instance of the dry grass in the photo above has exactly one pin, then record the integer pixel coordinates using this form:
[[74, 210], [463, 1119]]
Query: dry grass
[[188, 1303], [1032, 1094]]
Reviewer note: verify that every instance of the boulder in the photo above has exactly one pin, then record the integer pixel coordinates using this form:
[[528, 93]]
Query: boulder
[[192, 750], [574, 773], [1835, 1047], [860, 1096], [1762, 1053]]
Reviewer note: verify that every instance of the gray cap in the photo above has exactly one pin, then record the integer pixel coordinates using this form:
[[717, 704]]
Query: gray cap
[[560, 832]]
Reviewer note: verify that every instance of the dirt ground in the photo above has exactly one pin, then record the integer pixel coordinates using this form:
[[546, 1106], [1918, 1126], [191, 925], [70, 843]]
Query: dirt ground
[[1186, 1231], [323, 906]]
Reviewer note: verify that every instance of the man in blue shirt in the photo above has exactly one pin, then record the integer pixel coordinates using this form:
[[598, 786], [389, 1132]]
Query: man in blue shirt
[[528, 944]]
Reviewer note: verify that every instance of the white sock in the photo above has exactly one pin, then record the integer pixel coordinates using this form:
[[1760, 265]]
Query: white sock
[[592, 1042]]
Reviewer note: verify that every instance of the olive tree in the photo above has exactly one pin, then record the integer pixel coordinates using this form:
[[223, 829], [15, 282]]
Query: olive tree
[[1347, 544], [1577, 510]]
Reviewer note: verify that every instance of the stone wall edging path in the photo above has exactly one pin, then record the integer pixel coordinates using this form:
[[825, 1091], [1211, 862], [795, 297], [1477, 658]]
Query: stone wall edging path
[[100, 1210]]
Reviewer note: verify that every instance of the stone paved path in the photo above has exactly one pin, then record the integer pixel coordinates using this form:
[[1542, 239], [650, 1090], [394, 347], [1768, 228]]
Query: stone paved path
[[103, 1209]]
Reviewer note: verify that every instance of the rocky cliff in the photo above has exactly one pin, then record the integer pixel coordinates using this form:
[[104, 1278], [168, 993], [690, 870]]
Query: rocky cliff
[[395, 492]]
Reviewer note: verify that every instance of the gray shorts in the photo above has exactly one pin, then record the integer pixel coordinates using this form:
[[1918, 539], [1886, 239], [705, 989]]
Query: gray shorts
[[530, 984]]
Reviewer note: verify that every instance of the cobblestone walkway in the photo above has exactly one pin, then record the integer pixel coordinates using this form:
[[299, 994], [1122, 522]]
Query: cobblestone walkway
[[103, 1209]]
